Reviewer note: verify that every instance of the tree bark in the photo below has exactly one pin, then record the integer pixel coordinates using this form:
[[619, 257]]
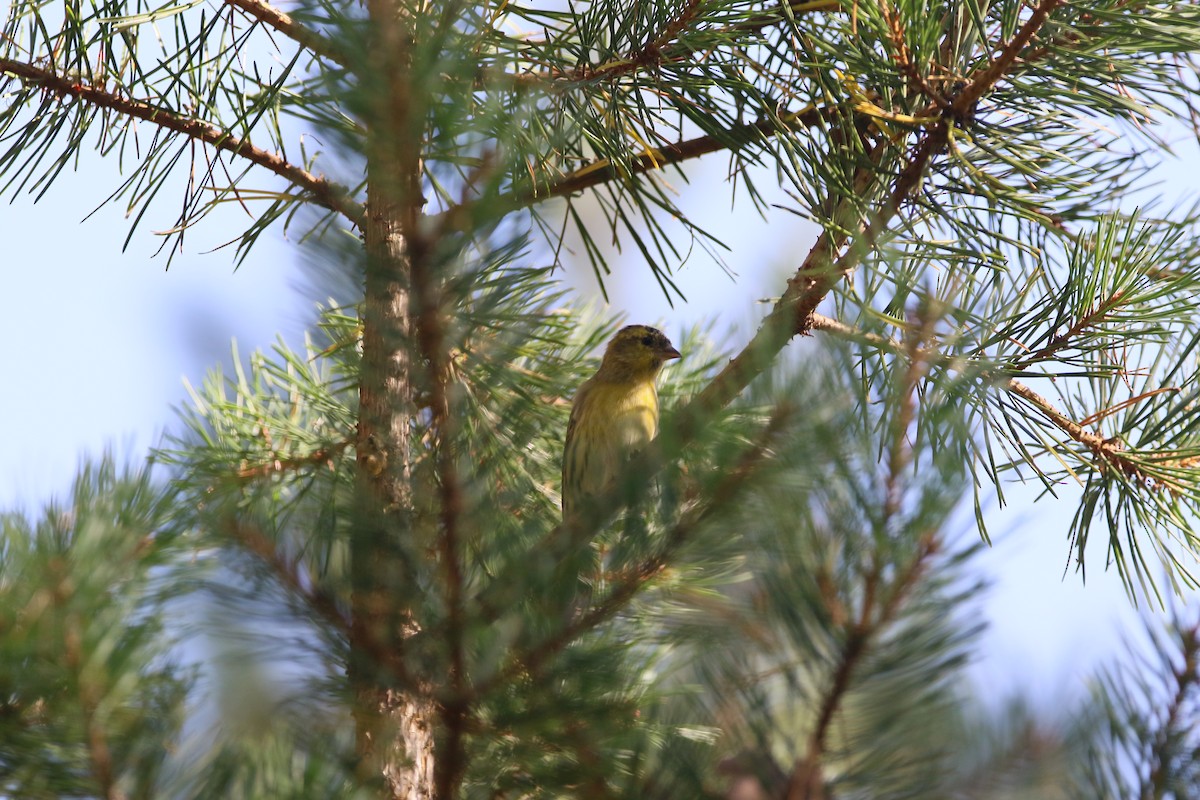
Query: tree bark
[[393, 710]]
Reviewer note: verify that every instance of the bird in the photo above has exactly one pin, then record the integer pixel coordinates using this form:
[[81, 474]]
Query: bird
[[614, 414]]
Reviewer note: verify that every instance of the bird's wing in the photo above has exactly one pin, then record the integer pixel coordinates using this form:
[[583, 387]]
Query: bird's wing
[[570, 469], [576, 410]]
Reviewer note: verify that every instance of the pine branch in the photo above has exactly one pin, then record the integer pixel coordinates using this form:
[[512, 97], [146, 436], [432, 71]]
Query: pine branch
[[99, 752], [903, 58], [1068, 337], [277, 466], [1070, 37], [791, 315], [324, 192], [881, 607], [304, 36], [665, 49], [434, 353], [604, 171], [900, 452], [881, 601], [983, 82], [1166, 745], [1107, 451], [254, 541]]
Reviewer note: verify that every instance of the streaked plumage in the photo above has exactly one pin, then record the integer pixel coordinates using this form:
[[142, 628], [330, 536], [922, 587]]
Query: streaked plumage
[[614, 414]]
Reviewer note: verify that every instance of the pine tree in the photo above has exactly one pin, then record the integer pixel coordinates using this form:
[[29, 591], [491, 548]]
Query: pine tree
[[774, 602]]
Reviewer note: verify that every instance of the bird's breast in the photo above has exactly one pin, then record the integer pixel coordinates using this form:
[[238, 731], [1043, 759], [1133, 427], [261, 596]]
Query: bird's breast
[[614, 421], [629, 414]]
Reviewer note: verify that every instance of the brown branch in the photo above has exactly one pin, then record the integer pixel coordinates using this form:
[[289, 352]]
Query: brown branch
[[431, 341], [673, 28], [258, 544], [1065, 338], [324, 192], [900, 452], [984, 81], [663, 49], [903, 57], [319, 457], [1072, 36], [1167, 739], [1107, 451], [1116, 408], [791, 315], [604, 171], [755, 24], [99, 753], [806, 781], [304, 36]]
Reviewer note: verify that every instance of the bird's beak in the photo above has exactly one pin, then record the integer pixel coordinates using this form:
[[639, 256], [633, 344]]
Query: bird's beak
[[670, 353]]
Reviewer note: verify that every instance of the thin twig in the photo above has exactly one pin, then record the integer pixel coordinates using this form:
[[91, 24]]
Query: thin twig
[[99, 754], [324, 192], [1068, 336], [604, 170], [1165, 744], [900, 454], [252, 538], [1109, 451], [1072, 34], [903, 57], [662, 51], [301, 34]]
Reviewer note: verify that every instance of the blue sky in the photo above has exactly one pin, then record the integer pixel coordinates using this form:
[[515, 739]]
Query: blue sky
[[99, 342]]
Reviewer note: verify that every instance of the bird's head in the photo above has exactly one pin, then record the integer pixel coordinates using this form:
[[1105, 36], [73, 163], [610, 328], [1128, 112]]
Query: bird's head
[[637, 351]]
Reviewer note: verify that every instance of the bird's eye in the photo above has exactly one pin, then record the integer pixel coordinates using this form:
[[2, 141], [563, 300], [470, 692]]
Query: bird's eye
[[648, 340]]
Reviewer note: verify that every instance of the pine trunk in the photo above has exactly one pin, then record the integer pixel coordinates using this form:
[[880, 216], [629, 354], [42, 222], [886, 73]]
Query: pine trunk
[[394, 719]]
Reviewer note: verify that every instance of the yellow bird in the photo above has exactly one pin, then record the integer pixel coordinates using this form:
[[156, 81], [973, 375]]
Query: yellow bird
[[615, 413]]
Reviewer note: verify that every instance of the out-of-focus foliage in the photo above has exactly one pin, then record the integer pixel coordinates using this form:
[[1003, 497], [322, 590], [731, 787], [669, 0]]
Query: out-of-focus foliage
[[92, 697]]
